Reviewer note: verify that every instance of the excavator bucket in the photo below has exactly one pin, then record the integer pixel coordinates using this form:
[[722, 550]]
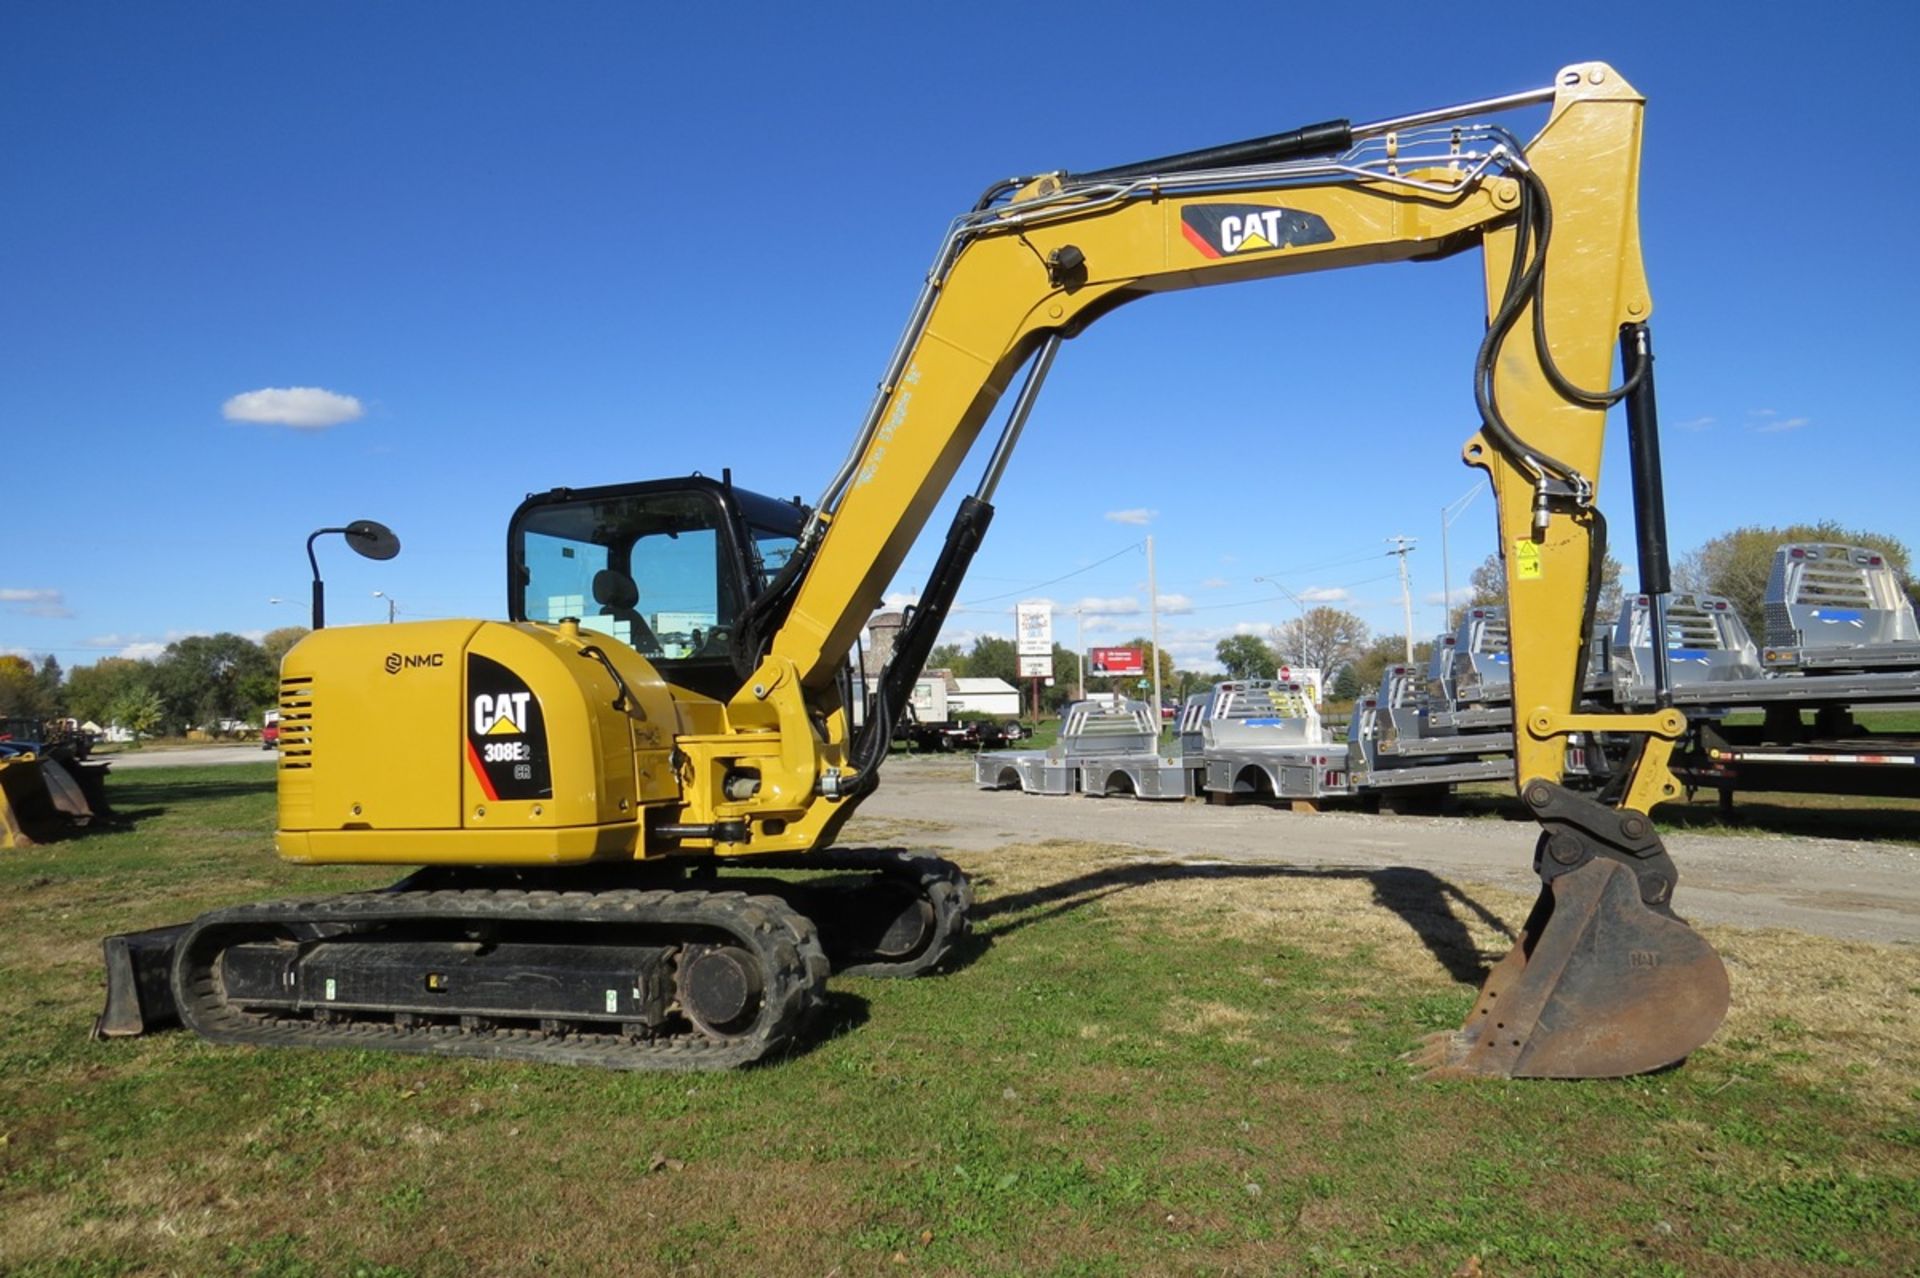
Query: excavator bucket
[[41, 796], [1599, 985]]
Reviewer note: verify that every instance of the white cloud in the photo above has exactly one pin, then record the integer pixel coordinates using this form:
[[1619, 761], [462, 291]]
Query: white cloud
[[139, 647], [1774, 427], [1326, 594], [300, 407], [1697, 423], [1138, 515], [1215, 583], [898, 599], [1175, 605], [35, 603], [1460, 595], [1114, 606]]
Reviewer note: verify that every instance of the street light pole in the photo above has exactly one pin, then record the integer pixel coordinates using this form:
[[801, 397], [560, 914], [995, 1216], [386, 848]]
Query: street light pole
[[1080, 652], [1298, 602], [1153, 627], [392, 604]]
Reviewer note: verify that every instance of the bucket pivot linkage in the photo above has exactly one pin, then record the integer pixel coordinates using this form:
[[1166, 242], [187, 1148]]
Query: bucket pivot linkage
[[1605, 980]]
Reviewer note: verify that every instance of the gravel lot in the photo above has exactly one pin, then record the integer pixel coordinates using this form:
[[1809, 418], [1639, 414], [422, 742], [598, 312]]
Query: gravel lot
[[1828, 887]]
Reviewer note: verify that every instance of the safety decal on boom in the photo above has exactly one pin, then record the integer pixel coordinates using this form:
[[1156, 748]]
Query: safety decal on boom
[[506, 733], [1232, 230]]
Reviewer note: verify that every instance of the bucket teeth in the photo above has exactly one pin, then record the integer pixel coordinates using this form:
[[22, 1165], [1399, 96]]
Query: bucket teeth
[[1599, 985]]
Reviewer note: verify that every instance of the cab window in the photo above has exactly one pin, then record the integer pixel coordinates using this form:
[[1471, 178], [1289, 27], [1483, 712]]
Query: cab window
[[649, 570]]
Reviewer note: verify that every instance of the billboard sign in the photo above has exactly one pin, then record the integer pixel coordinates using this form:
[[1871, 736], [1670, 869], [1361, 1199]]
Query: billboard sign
[[1102, 662], [1033, 622], [1036, 667]]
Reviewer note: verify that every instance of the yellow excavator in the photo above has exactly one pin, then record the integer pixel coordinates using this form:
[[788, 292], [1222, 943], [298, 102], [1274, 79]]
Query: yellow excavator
[[668, 706]]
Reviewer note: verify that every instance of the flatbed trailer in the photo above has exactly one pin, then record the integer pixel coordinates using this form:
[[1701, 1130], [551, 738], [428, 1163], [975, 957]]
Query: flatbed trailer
[[1264, 738], [1098, 743]]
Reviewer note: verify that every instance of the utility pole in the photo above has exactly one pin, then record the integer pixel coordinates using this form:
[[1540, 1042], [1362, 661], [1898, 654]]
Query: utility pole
[[1401, 546], [1080, 653], [1153, 616]]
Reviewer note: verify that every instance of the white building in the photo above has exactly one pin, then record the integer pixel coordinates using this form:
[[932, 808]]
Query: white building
[[996, 697]]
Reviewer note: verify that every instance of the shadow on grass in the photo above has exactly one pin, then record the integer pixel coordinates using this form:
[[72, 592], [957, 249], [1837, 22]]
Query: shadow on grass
[[1420, 898], [124, 793]]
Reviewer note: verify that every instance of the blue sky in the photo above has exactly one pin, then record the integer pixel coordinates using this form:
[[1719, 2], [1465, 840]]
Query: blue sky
[[586, 243]]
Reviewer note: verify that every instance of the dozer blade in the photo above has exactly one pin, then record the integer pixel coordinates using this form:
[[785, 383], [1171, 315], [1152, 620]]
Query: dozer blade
[[139, 983], [1599, 985]]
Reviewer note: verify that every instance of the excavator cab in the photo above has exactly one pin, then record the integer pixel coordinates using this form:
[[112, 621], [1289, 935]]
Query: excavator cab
[[664, 567]]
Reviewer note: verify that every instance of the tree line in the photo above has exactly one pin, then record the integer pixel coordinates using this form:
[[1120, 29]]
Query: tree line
[[203, 681]]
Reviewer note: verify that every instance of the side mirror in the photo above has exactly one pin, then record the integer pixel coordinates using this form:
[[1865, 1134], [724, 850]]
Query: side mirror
[[373, 540]]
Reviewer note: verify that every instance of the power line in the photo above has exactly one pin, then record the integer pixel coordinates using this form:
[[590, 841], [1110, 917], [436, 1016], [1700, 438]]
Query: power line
[[1042, 585]]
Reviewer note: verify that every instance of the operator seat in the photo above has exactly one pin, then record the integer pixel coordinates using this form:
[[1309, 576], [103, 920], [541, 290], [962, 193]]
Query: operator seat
[[616, 594]]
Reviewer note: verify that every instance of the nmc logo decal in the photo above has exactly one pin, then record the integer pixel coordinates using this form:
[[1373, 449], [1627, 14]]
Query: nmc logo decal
[[1233, 230]]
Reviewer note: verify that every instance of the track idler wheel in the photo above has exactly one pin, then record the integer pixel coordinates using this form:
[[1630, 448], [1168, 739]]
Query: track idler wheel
[[719, 988], [1605, 980]]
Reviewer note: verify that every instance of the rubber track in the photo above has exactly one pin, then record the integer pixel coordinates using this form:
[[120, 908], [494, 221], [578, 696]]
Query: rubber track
[[794, 970], [938, 880]]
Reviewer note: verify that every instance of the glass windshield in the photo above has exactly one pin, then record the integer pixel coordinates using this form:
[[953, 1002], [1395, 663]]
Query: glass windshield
[[775, 548], [648, 570]]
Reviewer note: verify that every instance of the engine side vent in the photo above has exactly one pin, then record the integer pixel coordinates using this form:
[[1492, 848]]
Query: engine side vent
[[296, 722]]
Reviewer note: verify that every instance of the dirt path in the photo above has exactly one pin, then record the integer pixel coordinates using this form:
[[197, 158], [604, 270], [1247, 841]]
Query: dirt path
[[1828, 887]]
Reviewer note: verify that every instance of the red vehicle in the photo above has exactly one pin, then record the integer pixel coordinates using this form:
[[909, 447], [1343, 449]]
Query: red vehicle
[[269, 729]]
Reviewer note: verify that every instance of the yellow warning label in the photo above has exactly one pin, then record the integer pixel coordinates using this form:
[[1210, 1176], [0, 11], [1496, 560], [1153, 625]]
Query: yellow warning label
[[1526, 558]]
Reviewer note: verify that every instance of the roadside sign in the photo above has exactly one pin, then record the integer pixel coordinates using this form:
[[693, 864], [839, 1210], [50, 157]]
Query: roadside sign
[[1033, 623], [1106, 662]]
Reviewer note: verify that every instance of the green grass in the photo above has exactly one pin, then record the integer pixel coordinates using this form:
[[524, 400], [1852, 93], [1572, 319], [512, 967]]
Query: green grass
[[1144, 1071]]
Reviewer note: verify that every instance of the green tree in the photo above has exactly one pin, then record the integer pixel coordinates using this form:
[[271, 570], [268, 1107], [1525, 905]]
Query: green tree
[[1736, 564], [22, 692], [1346, 684], [207, 678], [1246, 657], [139, 710], [1384, 651], [93, 690], [948, 656], [993, 657], [1066, 673], [1188, 682], [48, 676]]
